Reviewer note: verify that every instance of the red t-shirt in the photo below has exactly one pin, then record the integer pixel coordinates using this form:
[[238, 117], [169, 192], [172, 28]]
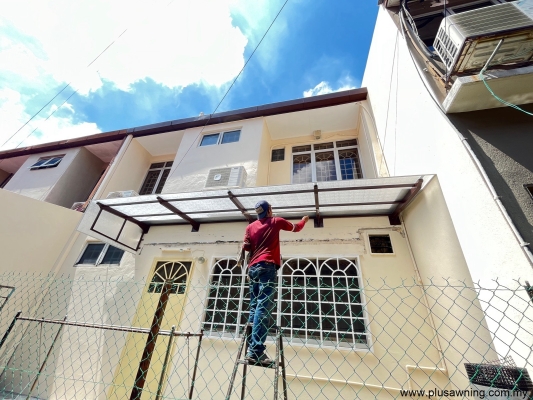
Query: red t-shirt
[[262, 238]]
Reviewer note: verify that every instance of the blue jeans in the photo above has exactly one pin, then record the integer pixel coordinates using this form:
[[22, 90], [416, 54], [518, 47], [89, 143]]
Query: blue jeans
[[262, 290]]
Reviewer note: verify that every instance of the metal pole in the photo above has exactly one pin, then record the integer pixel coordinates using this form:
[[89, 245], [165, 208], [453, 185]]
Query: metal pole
[[196, 363], [8, 296], [146, 358], [45, 360], [11, 325], [164, 370]]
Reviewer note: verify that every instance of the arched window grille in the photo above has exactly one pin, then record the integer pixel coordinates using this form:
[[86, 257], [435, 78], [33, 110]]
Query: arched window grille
[[319, 302], [167, 271]]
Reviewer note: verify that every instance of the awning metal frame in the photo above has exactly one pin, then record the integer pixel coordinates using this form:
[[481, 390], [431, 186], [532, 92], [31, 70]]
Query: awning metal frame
[[318, 217]]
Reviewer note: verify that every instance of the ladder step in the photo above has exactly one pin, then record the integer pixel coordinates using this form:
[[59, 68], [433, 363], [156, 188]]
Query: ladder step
[[263, 365]]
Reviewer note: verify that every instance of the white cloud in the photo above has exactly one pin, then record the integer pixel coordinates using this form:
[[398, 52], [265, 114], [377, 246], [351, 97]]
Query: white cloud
[[13, 116], [324, 87], [45, 44]]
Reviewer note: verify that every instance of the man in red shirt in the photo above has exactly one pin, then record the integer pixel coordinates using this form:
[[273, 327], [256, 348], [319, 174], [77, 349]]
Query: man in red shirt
[[261, 240]]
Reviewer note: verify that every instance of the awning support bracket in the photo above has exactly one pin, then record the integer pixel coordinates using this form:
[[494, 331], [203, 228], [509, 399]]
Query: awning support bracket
[[394, 218], [239, 205], [195, 224], [319, 221]]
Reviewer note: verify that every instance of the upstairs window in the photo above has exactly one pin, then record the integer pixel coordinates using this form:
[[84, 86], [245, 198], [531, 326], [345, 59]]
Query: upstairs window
[[220, 138], [5, 181], [47, 162], [278, 155], [326, 162], [156, 178], [100, 254]]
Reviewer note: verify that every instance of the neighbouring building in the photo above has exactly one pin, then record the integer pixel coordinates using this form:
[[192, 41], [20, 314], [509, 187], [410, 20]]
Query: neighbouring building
[[376, 295]]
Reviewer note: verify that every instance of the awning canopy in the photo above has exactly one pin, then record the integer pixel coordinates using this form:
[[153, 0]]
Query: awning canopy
[[124, 221]]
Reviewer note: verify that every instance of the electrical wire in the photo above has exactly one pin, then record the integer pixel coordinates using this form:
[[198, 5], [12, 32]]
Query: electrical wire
[[231, 86]]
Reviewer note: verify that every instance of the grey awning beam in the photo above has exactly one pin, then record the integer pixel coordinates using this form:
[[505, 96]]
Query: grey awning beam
[[238, 204], [394, 218], [195, 224]]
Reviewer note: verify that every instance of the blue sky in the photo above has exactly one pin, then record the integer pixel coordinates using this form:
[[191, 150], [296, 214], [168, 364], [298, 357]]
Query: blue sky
[[174, 60]]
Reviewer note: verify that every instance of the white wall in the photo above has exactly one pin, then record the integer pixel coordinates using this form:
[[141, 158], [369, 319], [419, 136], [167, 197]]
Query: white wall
[[39, 183], [192, 163], [418, 139]]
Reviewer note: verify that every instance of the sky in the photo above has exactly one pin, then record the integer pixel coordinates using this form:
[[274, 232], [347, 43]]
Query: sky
[[91, 66]]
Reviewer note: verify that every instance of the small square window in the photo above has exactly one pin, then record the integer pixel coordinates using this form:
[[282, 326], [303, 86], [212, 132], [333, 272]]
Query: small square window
[[47, 162], [278, 155], [231, 137], [209, 140], [100, 253], [380, 244]]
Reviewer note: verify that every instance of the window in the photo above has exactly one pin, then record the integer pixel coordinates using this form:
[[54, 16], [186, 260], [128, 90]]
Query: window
[[100, 254], [47, 162], [326, 162], [319, 302], [278, 155], [156, 178], [380, 244], [220, 138], [166, 271]]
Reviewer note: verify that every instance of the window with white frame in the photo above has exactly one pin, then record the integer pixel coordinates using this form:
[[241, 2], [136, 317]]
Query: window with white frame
[[326, 162], [319, 302], [47, 162], [155, 178], [100, 254], [220, 138]]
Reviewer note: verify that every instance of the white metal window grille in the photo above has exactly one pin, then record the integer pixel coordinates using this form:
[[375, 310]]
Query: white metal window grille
[[175, 271], [220, 138], [319, 302], [47, 162], [155, 178], [326, 162], [100, 254]]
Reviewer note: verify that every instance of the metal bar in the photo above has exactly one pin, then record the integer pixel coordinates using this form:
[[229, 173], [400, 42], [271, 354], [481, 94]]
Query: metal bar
[[238, 204], [236, 366], [276, 374], [11, 325], [282, 356], [45, 361], [394, 218], [166, 204], [196, 363], [490, 58], [165, 362], [146, 358], [319, 223], [6, 297], [120, 231], [247, 334], [115, 240], [281, 207], [108, 327], [399, 185], [111, 210], [96, 219]]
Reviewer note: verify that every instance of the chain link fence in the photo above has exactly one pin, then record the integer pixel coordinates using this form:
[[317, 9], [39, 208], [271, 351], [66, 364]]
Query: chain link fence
[[343, 337]]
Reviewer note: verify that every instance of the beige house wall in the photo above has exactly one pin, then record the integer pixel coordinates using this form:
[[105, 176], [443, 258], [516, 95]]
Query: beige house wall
[[130, 172], [193, 162], [440, 261], [38, 184]]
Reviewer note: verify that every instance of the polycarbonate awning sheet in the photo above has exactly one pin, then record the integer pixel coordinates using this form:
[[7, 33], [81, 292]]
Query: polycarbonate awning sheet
[[347, 198]]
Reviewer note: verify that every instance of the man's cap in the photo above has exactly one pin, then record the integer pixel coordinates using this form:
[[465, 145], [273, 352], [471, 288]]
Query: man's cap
[[261, 208]]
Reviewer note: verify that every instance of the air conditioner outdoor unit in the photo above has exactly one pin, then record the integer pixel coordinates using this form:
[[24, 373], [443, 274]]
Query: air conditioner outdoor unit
[[228, 177], [465, 41], [124, 193]]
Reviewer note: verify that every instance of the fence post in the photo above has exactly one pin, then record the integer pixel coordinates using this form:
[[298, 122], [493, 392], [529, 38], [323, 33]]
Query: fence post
[[164, 370], [144, 365]]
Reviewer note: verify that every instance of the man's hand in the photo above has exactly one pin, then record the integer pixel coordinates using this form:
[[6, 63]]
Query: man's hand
[[305, 219]]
